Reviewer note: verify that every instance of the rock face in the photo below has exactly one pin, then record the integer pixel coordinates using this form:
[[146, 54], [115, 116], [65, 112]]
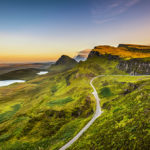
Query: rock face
[[108, 56], [135, 67], [94, 53], [65, 60]]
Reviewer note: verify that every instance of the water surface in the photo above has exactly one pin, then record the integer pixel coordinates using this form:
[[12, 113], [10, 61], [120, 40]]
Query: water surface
[[8, 82], [42, 72]]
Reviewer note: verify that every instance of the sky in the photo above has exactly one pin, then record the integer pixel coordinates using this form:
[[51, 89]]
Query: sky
[[43, 30]]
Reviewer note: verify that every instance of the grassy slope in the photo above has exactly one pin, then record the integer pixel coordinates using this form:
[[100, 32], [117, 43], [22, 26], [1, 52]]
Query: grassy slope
[[136, 48], [124, 123], [49, 110], [95, 66], [44, 112], [123, 52]]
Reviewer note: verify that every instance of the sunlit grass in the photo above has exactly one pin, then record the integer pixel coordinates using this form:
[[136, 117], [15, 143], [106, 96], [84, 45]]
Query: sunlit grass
[[125, 117], [60, 101]]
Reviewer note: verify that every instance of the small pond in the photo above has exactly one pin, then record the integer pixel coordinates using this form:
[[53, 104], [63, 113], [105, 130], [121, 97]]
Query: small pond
[[42, 72]]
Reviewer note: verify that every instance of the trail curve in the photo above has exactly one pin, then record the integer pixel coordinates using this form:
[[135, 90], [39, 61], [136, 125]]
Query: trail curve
[[97, 113]]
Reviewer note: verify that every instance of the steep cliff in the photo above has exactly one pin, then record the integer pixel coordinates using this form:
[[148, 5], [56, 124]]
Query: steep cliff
[[108, 56], [133, 59], [135, 66]]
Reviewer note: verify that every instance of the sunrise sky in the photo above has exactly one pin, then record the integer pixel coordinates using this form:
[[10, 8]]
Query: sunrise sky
[[42, 30]]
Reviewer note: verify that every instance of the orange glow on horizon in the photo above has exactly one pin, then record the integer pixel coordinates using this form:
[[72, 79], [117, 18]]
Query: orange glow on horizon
[[27, 58]]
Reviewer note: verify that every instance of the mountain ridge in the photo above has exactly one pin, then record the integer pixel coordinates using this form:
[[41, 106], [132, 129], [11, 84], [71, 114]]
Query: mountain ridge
[[64, 59], [63, 63], [123, 51]]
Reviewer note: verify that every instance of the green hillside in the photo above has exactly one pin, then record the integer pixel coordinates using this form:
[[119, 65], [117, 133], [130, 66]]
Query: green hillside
[[47, 111], [124, 123], [34, 114]]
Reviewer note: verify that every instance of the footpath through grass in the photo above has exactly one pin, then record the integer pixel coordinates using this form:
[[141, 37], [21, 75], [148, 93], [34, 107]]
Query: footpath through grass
[[124, 123]]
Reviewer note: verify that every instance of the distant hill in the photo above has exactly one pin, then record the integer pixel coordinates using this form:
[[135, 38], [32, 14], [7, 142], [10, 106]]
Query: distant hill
[[5, 68], [26, 74], [62, 64], [65, 60]]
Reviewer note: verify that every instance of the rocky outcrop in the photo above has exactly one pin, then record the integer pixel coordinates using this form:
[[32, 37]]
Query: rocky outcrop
[[135, 66], [108, 56], [131, 65], [94, 53], [65, 60]]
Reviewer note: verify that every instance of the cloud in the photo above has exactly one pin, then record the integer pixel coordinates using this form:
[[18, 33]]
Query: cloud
[[114, 5], [84, 52], [103, 12], [132, 2], [98, 21]]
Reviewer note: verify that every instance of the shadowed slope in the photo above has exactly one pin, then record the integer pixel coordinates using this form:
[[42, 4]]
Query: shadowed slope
[[64, 63]]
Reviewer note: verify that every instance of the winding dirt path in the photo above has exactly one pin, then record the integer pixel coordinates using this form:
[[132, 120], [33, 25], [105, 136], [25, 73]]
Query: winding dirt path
[[97, 113]]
